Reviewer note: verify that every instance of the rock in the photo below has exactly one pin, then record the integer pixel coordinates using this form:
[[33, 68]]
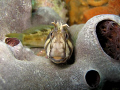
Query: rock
[[57, 5], [14, 16], [45, 15], [74, 31], [91, 56]]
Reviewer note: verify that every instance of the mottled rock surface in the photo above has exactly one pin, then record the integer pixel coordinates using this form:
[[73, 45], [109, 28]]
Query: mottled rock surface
[[14, 16], [45, 15]]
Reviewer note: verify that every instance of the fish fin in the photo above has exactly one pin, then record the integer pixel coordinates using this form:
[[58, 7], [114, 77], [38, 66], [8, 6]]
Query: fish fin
[[38, 28]]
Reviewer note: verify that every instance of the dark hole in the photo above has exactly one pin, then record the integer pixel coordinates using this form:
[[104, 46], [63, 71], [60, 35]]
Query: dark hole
[[72, 58], [110, 85], [12, 41], [111, 29], [118, 46], [102, 27], [33, 10], [109, 39], [92, 78]]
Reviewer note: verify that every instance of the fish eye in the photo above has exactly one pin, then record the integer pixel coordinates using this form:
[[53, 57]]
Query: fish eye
[[51, 34], [66, 35]]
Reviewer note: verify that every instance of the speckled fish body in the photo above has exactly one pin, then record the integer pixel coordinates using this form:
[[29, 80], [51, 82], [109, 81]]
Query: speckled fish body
[[36, 39], [33, 37]]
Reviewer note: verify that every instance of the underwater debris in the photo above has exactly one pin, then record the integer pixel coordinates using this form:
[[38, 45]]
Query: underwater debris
[[108, 33]]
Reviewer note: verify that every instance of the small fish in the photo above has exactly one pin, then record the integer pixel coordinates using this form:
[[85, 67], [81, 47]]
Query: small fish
[[33, 37], [55, 39], [58, 45]]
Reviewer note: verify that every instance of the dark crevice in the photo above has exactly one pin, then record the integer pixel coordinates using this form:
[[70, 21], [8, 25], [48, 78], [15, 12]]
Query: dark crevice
[[108, 33], [92, 78], [110, 85]]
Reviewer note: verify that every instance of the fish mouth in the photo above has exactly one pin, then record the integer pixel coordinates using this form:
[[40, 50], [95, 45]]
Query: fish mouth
[[58, 60]]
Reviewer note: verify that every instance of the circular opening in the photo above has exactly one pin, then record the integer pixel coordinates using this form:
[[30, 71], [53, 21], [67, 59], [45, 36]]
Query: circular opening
[[92, 78], [12, 41], [108, 33]]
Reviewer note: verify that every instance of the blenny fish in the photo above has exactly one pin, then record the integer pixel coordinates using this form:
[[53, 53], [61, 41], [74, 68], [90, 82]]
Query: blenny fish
[[33, 37], [58, 45], [55, 39]]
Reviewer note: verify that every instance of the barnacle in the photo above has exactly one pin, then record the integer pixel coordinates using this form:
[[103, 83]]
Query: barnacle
[[108, 33]]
